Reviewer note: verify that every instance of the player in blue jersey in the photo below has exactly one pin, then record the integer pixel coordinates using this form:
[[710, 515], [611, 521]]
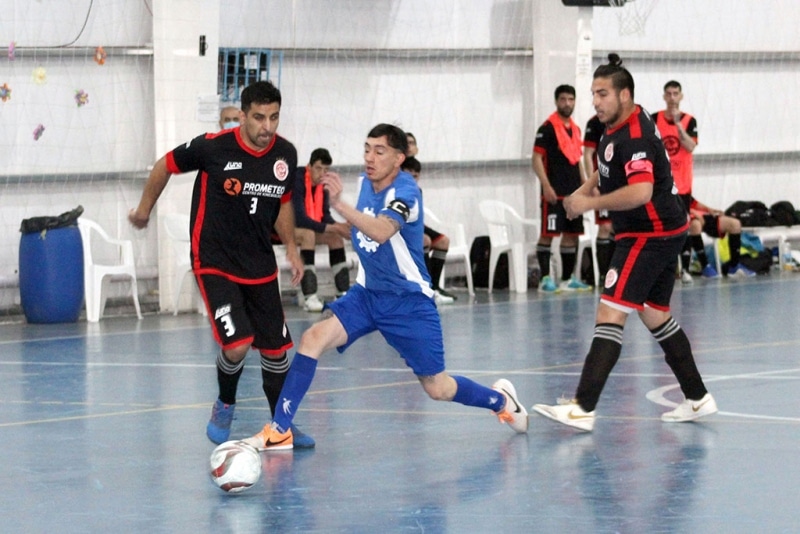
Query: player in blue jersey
[[392, 295]]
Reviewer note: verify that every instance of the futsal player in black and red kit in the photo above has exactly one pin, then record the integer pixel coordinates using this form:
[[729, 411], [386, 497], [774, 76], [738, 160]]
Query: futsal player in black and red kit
[[242, 193], [635, 184]]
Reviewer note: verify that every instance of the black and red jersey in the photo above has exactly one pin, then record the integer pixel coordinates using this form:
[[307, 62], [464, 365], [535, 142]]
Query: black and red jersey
[[632, 152], [591, 136], [237, 196], [564, 177]]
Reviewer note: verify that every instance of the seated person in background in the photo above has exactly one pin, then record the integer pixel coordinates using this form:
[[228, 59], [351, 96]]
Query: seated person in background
[[228, 117], [434, 244], [316, 226], [716, 224]]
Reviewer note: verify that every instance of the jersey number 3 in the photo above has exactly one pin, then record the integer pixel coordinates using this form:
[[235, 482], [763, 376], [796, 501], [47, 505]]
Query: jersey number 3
[[253, 205]]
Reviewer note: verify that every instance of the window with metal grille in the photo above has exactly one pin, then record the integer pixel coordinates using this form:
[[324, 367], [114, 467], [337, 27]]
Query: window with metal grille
[[239, 67]]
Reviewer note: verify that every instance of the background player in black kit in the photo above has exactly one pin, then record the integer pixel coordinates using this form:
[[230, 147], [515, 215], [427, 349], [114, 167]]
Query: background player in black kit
[[605, 238], [242, 193], [557, 163], [635, 185]]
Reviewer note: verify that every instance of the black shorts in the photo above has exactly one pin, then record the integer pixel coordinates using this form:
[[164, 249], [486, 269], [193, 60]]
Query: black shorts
[[602, 217], [249, 314], [433, 234], [711, 226], [555, 222], [642, 271]]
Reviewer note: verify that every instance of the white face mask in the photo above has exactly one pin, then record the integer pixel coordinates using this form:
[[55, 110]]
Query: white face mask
[[230, 124]]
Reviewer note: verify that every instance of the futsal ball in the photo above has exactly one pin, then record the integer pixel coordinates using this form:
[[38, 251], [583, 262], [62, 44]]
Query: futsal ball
[[235, 466]]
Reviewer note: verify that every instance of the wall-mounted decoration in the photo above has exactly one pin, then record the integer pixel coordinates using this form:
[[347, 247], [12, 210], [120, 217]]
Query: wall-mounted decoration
[[81, 97], [40, 75], [100, 55]]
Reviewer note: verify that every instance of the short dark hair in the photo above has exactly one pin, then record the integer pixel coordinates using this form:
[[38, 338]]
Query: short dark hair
[[395, 136], [409, 134], [620, 77], [322, 155], [672, 83], [411, 164], [260, 93], [564, 88]]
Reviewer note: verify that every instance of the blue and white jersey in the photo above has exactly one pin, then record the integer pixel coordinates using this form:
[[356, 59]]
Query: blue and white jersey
[[398, 265]]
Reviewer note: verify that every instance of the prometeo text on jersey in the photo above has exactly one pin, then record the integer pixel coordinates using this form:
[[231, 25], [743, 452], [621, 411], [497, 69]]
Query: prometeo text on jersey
[[263, 190]]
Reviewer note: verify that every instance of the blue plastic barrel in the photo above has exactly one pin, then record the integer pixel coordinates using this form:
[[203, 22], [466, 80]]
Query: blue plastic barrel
[[51, 275]]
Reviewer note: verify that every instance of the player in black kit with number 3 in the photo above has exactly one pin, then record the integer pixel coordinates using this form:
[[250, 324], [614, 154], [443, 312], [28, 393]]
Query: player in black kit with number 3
[[635, 185], [242, 192]]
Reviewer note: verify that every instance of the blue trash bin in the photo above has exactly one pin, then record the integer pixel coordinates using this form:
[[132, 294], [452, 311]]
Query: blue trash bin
[[51, 275]]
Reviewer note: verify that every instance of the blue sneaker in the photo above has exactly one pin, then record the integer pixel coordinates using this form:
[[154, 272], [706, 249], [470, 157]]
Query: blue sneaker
[[573, 284], [740, 271], [218, 429], [547, 285], [709, 272], [301, 439]]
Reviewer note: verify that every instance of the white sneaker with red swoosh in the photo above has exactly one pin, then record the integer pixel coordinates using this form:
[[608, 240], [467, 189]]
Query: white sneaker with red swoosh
[[567, 412], [689, 410]]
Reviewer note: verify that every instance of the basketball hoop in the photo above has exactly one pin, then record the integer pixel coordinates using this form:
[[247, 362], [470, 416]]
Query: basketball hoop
[[632, 15]]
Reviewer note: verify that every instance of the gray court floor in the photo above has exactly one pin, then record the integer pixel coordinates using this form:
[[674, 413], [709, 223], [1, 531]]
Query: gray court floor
[[102, 427]]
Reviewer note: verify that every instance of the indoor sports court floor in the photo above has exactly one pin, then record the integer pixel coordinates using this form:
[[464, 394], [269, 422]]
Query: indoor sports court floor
[[102, 427]]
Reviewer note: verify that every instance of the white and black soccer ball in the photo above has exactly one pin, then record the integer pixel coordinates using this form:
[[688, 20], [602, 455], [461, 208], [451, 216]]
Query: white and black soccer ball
[[235, 466]]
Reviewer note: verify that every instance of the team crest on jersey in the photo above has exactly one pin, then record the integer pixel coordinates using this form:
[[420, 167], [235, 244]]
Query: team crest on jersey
[[232, 186], [280, 170], [672, 144], [609, 153], [611, 278]]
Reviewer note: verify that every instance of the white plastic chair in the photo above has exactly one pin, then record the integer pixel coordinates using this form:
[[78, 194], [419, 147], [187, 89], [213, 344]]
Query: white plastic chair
[[177, 228], [587, 240], [507, 233], [97, 275], [459, 249]]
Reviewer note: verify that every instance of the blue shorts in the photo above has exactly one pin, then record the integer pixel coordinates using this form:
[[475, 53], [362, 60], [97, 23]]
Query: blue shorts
[[409, 323]]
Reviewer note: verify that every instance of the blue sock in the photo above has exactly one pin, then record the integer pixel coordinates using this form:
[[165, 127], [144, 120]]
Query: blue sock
[[471, 393], [298, 380]]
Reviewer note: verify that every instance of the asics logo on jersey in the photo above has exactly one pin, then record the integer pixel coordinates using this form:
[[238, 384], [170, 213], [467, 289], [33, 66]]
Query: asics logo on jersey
[[233, 166], [638, 155]]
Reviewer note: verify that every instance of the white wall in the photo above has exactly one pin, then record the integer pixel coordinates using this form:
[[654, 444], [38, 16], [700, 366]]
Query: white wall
[[459, 74]]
